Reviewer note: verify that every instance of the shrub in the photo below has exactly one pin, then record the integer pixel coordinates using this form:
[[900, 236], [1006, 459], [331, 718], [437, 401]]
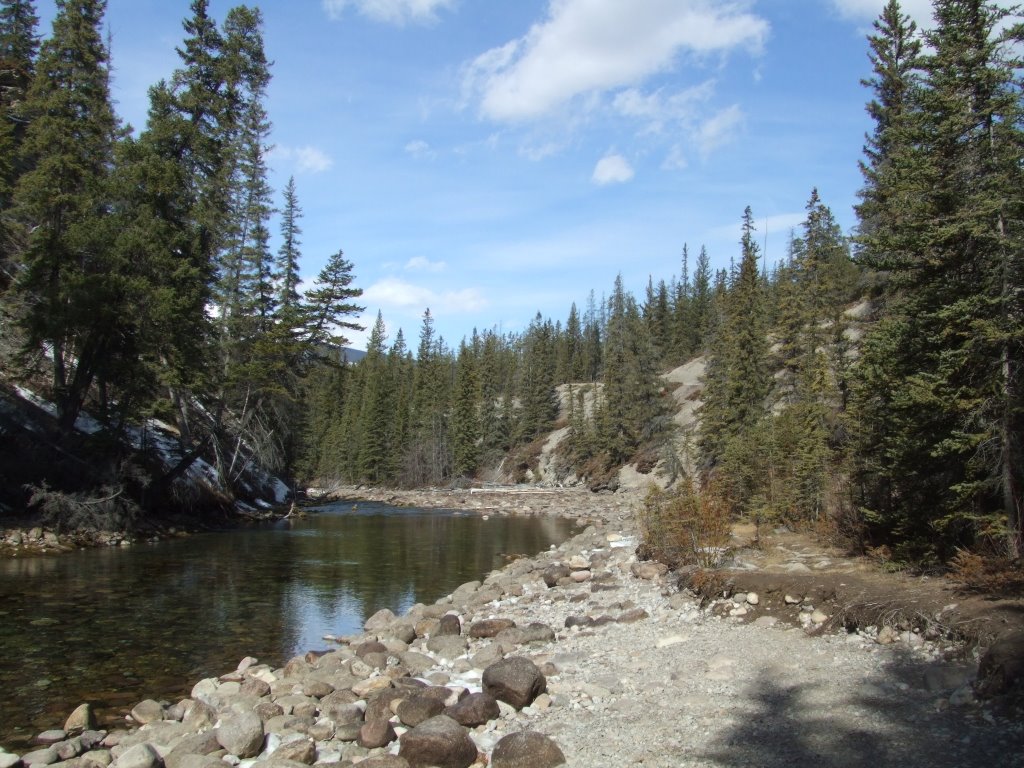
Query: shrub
[[684, 526]]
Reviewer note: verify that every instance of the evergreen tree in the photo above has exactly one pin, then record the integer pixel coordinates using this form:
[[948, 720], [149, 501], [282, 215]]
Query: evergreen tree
[[19, 46], [376, 411], [289, 253], [947, 408], [737, 381], [465, 414], [329, 302], [536, 385], [71, 283]]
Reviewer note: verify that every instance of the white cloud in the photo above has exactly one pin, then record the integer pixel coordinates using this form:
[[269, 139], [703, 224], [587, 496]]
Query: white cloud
[[390, 11], [719, 129], [868, 10], [423, 264], [419, 149], [587, 47], [613, 168], [307, 159], [676, 160], [394, 293]]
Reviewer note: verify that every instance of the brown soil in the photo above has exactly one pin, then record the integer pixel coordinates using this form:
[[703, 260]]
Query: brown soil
[[856, 592]]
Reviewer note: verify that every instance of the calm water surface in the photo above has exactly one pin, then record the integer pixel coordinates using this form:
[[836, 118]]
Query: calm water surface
[[113, 626]]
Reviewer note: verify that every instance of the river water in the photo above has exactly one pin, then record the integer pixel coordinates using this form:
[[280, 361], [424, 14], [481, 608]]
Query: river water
[[114, 626]]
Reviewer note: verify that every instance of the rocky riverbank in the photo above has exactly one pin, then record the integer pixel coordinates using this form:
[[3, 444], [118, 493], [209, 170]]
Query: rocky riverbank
[[581, 656]]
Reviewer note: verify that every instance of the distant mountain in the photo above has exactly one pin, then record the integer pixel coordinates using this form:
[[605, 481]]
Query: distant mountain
[[352, 355]]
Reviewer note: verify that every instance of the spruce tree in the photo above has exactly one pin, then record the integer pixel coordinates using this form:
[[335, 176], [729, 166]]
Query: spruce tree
[[937, 389], [19, 46], [737, 380], [465, 414], [71, 283]]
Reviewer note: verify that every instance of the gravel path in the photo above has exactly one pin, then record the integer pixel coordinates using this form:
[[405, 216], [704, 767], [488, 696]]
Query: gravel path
[[685, 687]]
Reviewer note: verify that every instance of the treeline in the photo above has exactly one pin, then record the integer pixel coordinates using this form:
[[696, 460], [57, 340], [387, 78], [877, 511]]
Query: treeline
[[912, 440], [867, 385], [897, 422], [136, 270], [437, 414]]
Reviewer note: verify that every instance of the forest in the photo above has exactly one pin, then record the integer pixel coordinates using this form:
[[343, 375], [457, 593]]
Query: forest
[[867, 386]]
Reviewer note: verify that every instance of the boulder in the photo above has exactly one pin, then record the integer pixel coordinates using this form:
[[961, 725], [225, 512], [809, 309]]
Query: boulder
[[448, 646], [379, 621], [554, 573], [199, 716], [476, 709], [82, 719], [418, 708], [375, 734], [385, 761], [47, 756], [1001, 670], [526, 749], [449, 624], [140, 756], [241, 734], [440, 742], [298, 748], [489, 627], [515, 680], [199, 744]]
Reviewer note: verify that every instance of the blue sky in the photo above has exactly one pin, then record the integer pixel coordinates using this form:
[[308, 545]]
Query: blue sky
[[490, 159]]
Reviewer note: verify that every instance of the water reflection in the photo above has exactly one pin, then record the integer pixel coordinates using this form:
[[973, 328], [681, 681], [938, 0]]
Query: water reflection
[[111, 626]]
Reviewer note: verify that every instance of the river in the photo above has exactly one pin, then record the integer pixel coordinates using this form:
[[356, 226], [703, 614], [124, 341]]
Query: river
[[114, 626]]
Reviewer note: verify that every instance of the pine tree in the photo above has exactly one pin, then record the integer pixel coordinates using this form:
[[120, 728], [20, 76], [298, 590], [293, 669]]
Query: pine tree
[[938, 388], [536, 381], [71, 282], [465, 414], [289, 253], [19, 46], [737, 381], [329, 302], [372, 438]]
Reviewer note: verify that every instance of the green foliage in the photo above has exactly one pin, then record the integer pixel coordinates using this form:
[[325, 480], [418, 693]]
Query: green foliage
[[938, 388]]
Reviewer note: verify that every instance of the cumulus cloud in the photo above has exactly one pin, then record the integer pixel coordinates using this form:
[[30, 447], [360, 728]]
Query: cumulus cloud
[[307, 159], [613, 168], [657, 108], [587, 47], [390, 11], [400, 294]]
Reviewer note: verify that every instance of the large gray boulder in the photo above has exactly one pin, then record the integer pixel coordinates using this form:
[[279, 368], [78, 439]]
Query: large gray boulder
[[526, 749], [476, 709], [440, 742], [140, 756], [515, 680], [418, 708], [241, 734]]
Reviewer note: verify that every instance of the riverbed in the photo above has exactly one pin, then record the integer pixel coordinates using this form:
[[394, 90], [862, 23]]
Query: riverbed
[[112, 626]]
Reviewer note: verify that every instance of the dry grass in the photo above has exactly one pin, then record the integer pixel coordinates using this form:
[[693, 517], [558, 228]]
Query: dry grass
[[991, 574], [685, 526]]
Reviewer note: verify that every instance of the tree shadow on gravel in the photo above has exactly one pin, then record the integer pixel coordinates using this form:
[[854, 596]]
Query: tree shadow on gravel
[[890, 720]]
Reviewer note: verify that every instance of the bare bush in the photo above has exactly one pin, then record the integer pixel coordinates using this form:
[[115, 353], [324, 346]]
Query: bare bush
[[684, 526], [110, 510]]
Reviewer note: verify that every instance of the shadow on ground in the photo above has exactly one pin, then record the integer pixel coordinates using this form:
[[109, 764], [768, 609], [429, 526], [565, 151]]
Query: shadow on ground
[[890, 720]]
